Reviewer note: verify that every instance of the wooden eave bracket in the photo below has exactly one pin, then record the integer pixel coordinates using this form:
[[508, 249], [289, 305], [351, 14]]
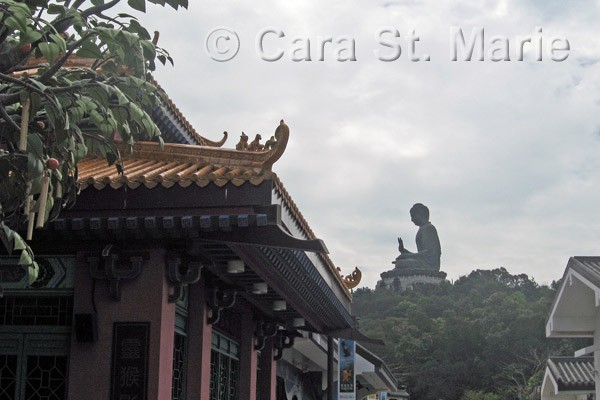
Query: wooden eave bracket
[[284, 340], [181, 274], [114, 266], [219, 300], [264, 330]]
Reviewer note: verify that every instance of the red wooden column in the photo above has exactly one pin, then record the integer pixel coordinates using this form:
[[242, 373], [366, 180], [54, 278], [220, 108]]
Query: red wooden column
[[248, 359], [199, 345], [268, 372]]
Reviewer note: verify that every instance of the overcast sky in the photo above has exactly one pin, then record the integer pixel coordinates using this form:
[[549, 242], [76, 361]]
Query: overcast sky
[[505, 154]]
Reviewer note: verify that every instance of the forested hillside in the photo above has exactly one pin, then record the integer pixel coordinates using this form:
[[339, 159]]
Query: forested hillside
[[481, 337]]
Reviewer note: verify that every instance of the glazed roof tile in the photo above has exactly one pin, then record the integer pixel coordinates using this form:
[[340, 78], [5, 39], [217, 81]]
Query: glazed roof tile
[[150, 165], [572, 373], [151, 173]]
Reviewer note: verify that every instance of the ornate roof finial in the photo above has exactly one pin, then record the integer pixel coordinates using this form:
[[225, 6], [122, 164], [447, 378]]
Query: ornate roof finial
[[243, 143], [351, 281], [255, 144]]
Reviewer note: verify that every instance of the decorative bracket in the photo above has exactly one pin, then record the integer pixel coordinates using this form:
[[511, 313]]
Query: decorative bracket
[[219, 300], [181, 274], [284, 340], [264, 330], [110, 266]]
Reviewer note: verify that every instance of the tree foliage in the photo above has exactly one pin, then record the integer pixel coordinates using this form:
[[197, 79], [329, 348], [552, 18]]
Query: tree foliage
[[53, 113], [481, 337]]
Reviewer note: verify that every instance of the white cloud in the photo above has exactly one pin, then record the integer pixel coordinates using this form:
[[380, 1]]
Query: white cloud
[[504, 154]]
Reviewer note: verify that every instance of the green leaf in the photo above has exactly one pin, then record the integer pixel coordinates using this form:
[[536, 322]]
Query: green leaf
[[100, 94], [32, 272], [130, 38], [19, 243], [135, 26], [16, 22], [20, 9], [59, 41], [25, 258], [29, 36], [56, 9], [139, 5], [35, 145], [49, 205], [89, 49], [36, 104], [50, 51], [7, 236], [35, 166]]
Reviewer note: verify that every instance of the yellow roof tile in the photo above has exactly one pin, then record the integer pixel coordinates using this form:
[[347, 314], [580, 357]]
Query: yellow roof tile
[[149, 164]]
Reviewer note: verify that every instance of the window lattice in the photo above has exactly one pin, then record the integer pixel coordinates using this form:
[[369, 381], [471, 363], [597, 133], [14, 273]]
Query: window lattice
[[36, 310], [224, 368], [8, 377], [179, 367], [46, 378]]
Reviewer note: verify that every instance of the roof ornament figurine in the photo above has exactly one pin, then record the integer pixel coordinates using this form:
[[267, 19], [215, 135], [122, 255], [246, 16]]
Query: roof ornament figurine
[[149, 164], [351, 281], [243, 143], [255, 144]]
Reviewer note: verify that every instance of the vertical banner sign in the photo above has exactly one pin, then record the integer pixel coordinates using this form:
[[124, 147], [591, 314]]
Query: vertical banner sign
[[347, 377], [129, 377]]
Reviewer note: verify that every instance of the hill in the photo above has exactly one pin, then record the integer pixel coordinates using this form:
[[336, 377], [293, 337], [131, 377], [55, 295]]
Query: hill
[[480, 337]]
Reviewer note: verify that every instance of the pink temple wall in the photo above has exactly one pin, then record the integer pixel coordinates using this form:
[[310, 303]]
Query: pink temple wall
[[143, 299]]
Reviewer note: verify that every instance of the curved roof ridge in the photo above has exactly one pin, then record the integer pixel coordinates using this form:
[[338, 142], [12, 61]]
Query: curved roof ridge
[[197, 137]]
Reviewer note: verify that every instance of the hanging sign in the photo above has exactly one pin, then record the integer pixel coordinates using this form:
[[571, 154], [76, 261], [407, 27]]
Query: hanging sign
[[347, 375], [130, 361]]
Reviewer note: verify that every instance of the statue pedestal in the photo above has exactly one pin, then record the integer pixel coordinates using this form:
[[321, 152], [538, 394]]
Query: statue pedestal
[[406, 279]]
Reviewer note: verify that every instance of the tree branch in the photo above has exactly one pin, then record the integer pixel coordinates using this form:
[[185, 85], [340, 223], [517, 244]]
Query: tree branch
[[8, 78], [59, 89], [8, 118], [99, 8], [6, 99], [57, 65]]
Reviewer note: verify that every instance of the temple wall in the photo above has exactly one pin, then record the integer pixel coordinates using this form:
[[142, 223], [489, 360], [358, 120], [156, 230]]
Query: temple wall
[[144, 299]]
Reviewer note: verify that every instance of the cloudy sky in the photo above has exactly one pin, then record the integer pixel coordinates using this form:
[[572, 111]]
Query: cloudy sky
[[505, 154]]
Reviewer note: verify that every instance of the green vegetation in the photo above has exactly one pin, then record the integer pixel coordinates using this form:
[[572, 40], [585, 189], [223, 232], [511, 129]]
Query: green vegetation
[[481, 337], [52, 114]]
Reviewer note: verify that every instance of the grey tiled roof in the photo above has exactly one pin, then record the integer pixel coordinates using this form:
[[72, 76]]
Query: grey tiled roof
[[572, 373], [588, 267]]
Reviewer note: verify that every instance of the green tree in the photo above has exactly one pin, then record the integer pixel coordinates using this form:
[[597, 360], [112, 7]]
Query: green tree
[[52, 115], [483, 335], [479, 395]]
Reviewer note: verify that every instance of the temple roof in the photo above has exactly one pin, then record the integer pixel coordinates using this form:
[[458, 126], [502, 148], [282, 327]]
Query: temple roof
[[149, 164], [175, 127], [171, 121]]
